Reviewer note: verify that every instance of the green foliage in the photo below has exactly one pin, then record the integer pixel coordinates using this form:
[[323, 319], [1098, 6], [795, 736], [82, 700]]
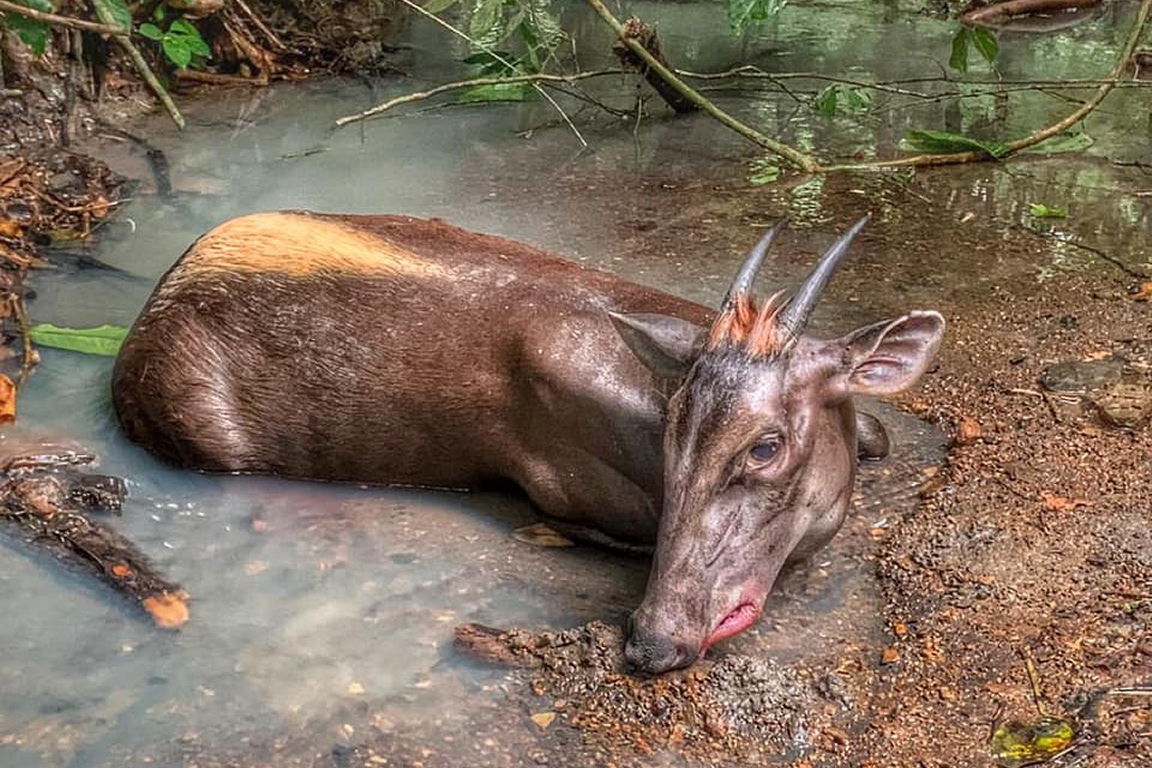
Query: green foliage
[[119, 11], [744, 13], [942, 143], [764, 171], [180, 43], [1041, 211], [973, 37], [32, 33], [841, 98], [101, 340]]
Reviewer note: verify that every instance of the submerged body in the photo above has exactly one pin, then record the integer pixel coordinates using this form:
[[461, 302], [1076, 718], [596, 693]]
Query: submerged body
[[395, 350]]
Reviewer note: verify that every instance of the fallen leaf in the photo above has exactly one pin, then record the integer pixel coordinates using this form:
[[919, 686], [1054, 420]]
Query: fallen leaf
[[1054, 503], [889, 656], [900, 629], [121, 571], [1144, 292], [168, 610], [541, 535], [967, 431], [7, 400], [543, 719], [10, 228]]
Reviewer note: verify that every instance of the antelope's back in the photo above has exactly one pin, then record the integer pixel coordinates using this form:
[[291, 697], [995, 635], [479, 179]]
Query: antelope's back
[[325, 346]]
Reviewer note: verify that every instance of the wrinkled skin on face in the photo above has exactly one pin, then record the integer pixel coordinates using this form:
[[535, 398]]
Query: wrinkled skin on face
[[760, 460]]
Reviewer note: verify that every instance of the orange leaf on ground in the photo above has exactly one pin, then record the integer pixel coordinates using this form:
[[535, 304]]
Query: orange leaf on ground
[[1144, 292], [1060, 503], [168, 610], [121, 571], [7, 400]]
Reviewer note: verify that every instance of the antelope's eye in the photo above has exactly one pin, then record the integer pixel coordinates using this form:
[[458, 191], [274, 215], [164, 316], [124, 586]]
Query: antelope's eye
[[765, 451]]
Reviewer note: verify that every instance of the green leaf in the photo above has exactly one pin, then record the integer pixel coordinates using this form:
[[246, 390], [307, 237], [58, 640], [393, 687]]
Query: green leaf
[[198, 46], [827, 100], [959, 58], [941, 143], [150, 31], [118, 9], [176, 50], [32, 33], [985, 42], [1041, 211], [439, 6], [44, 6], [858, 99], [183, 27], [744, 13], [101, 340], [1063, 142]]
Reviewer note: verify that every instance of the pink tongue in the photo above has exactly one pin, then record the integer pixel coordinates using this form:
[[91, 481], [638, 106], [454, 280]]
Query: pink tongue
[[734, 623]]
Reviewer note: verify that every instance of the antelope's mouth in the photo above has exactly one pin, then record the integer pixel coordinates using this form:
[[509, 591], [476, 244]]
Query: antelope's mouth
[[737, 620]]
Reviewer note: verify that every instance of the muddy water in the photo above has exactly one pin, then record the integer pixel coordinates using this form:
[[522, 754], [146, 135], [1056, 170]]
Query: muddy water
[[326, 612]]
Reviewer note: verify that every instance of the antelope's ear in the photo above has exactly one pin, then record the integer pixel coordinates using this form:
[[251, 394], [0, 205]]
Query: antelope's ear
[[666, 345], [890, 356]]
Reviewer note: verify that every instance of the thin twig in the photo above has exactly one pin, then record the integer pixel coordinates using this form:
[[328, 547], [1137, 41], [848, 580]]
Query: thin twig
[[502, 60], [63, 21], [142, 67], [26, 364], [794, 156], [261, 26], [421, 95]]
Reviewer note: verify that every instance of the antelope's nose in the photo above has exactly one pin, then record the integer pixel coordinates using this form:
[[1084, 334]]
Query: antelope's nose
[[656, 653]]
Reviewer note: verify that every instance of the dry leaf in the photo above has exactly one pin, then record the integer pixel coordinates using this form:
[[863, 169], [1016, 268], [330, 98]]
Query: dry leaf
[[1055, 503], [10, 228], [967, 431], [889, 656], [7, 400], [543, 719], [169, 611], [1144, 292], [121, 571]]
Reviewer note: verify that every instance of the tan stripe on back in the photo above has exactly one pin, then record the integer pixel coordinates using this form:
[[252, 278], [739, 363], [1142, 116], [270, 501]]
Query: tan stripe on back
[[301, 245]]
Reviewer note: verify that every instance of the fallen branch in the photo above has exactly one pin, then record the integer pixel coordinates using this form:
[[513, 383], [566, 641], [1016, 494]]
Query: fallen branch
[[421, 95], [998, 11], [795, 157], [63, 21], [45, 501]]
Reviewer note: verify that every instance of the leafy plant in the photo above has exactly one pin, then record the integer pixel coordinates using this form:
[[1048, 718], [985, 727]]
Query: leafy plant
[[973, 37], [31, 32], [1041, 211], [180, 43], [942, 143], [100, 340], [744, 13], [841, 98], [509, 38]]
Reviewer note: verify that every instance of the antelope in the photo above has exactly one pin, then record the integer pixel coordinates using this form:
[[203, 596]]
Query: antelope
[[394, 350]]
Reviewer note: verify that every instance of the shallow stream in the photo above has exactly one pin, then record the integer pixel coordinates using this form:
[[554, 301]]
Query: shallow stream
[[309, 599]]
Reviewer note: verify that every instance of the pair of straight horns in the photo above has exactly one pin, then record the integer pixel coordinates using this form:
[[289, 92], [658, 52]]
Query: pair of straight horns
[[793, 318]]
